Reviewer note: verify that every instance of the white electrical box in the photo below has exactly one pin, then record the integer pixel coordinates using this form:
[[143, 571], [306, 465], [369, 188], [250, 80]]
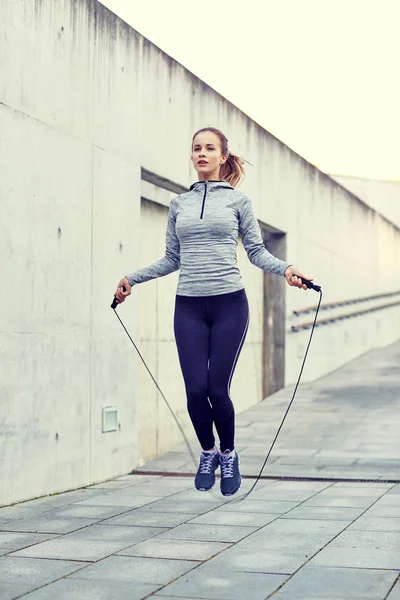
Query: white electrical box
[[110, 418]]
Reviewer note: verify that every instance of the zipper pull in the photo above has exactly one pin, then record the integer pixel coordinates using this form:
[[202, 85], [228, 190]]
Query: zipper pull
[[204, 199]]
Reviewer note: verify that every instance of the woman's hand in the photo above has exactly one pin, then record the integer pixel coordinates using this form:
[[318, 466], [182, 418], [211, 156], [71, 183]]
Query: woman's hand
[[294, 277], [120, 294]]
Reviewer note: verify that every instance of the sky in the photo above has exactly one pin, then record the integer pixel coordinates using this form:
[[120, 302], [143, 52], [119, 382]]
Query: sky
[[323, 76]]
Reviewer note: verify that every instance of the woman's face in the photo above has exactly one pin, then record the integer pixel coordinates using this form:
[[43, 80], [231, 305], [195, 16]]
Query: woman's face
[[207, 157]]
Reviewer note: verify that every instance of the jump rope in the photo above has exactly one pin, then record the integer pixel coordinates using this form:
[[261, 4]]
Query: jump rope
[[310, 285]]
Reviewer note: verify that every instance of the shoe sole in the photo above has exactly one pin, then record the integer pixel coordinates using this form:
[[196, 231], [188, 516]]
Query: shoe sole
[[204, 489], [233, 492]]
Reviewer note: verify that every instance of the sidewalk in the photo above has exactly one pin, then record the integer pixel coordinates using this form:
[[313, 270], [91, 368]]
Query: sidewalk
[[153, 536]]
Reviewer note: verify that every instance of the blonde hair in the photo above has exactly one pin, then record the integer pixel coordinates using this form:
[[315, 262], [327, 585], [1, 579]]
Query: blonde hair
[[232, 170]]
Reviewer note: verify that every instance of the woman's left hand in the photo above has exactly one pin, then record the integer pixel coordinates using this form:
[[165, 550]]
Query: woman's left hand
[[294, 277]]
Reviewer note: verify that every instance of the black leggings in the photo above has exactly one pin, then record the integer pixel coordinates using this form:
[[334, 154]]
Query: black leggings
[[209, 333]]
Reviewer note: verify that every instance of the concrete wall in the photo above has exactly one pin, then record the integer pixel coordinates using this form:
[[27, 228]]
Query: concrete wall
[[382, 196], [85, 103]]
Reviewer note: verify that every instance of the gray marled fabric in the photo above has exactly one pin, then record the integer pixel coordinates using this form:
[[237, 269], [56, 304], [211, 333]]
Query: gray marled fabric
[[201, 241]]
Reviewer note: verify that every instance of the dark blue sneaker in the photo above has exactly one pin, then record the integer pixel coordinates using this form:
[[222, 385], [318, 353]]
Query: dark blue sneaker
[[205, 477], [230, 476]]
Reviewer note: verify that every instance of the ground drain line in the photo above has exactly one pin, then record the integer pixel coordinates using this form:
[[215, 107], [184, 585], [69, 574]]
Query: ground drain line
[[273, 477]]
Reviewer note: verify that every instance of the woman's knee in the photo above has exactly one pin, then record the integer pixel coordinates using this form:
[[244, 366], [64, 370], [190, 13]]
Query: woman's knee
[[221, 403], [197, 402]]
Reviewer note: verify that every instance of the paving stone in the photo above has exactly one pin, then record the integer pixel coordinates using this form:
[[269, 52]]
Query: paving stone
[[258, 506], [4, 522], [35, 571], [293, 542], [88, 511], [67, 549], [11, 540], [175, 482], [9, 591], [215, 533], [182, 506], [375, 524], [389, 500], [74, 589], [277, 493], [211, 497], [236, 519], [62, 499], [324, 512], [324, 583], [395, 593], [371, 485], [134, 478], [121, 482], [46, 524], [214, 584], [368, 539], [145, 489], [362, 558], [149, 518], [260, 560], [309, 526], [115, 533], [301, 596], [136, 569], [345, 502], [171, 597], [129, 500], [383, 512], [178, 549], [20, 511], [349, 491], [312, 487], [133, 492]]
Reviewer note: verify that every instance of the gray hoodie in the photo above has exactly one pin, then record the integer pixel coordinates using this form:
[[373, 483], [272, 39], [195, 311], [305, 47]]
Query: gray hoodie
[[201, 241]]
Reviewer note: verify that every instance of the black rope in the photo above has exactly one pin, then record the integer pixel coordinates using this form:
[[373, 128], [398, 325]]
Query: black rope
[[290, 403], [165, 400]]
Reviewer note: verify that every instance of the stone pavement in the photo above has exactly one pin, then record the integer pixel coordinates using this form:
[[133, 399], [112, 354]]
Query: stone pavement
[[314, 529]]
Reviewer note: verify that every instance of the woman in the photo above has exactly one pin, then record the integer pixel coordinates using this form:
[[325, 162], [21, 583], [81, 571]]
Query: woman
[[211, 310]]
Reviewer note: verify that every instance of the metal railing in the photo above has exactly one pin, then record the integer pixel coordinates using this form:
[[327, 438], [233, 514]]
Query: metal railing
[[347, 315]]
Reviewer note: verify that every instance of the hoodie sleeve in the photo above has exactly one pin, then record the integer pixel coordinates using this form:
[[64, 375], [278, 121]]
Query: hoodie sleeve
[[168, 263], [250, 232]]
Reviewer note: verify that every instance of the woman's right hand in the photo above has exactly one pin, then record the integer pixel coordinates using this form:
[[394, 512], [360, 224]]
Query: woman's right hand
[[120, 294]]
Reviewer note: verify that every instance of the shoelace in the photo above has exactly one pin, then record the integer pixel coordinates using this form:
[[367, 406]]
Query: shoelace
[[206, 463], [227, 466]]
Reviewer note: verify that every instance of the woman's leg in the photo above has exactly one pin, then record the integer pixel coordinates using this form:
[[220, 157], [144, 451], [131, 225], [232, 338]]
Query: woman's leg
[[229, 315], [192, 335]]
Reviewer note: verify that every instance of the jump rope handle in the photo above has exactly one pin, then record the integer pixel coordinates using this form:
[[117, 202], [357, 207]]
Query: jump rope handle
[[311, 285], [115, 301]]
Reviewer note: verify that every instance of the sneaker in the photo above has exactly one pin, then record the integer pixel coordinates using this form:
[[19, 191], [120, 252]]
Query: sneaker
[[230, 477], [205, 477]]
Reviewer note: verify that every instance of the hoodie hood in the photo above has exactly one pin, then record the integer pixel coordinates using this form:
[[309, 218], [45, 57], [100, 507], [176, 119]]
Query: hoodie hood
[[211, 185]]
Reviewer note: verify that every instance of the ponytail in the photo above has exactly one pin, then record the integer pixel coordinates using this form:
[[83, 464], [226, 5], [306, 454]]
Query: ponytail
[[232, 170]]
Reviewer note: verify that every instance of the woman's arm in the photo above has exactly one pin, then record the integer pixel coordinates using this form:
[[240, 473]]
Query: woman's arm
[[168, 263], [252, 241], [258, 254]]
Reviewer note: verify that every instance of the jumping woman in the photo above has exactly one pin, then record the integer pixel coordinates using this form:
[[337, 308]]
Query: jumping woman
[[211, 315]]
